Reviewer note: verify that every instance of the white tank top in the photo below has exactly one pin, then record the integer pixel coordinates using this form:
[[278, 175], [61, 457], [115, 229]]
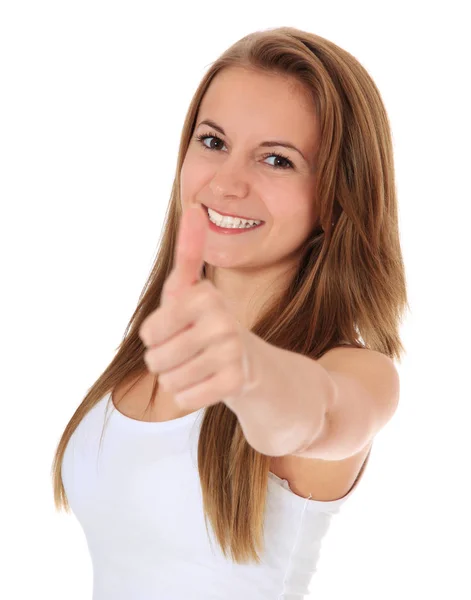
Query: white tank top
[[139, 503]]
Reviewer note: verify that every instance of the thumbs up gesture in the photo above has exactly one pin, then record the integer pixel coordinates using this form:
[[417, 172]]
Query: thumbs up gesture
[[194, 344]]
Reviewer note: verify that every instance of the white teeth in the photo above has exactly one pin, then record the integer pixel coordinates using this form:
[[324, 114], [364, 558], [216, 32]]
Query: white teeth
[[230, 222]]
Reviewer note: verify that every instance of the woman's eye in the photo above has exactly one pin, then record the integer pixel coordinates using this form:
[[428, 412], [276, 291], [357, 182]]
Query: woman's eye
[[280, 158], [202, 139], [210, 137]]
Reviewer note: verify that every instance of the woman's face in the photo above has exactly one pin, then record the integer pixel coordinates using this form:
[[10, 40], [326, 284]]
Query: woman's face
[[231, 170]]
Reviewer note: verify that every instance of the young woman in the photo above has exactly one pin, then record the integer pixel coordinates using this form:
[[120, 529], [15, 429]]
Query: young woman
[[276, 367]]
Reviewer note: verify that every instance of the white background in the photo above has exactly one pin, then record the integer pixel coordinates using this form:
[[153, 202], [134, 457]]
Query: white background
[[93, 97]]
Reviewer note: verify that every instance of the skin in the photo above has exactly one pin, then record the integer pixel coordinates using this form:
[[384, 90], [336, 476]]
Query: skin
[[241, 178]]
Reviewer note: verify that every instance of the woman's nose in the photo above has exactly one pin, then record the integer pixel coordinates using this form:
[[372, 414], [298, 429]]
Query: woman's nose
[[224, 184]]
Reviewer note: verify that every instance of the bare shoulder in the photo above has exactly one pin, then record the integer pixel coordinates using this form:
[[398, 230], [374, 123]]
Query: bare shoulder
[[343, 356]]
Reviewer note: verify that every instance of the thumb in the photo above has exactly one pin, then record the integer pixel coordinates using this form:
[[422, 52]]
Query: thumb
[[189, 252]]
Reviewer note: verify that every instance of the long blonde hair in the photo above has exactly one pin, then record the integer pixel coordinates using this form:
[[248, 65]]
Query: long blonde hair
[[349, 285]]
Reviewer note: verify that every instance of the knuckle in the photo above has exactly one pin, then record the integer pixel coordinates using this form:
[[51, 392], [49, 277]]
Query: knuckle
[[220, 323], [227, 326], [199, 300], [149, 362], [229, 352], [213, 325], [234, 379], [208, 293], [165, 380], [234, 348]]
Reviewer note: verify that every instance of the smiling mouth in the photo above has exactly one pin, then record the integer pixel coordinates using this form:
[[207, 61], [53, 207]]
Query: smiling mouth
[[233, 216]]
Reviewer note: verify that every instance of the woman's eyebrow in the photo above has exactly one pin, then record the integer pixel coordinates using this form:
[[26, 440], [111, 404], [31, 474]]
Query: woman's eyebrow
[[268, 143]]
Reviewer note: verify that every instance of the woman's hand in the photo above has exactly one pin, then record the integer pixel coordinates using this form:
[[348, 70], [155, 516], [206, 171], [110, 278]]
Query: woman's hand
[[194, 343]]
